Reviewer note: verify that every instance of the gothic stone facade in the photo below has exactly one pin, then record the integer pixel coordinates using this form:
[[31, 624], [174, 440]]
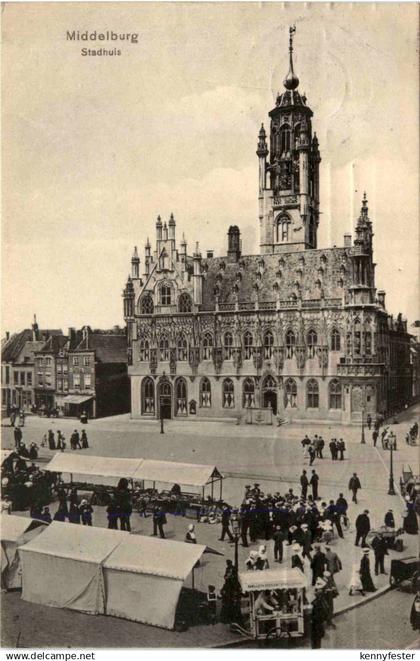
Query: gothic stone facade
[[295, 330]]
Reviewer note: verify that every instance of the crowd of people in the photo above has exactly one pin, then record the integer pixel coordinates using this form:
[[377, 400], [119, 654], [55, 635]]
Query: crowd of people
[[314, 448], [77, 441]]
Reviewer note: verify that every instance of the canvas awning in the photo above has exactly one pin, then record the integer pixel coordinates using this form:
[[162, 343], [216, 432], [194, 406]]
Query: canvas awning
[[272, 579], [13, 527], [144, 578], [170, 472], [76, 399], [15, 531], [63, 566], [78, 464]]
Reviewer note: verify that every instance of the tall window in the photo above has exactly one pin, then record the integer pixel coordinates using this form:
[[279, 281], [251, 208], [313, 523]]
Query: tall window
[[144, 350], [312, 394], [88, 381], [368, 343], [182, 347], [248, 399], [163, 348], [290, 344], [311, 341], [146, 304], [76, 381], [86, 360], [268, 344], [335, 340], [148, 398], [285, 138], [228, 345], [335, 394], [290, 394], [181, 397], [228, 394], [207, 346], [282, 228], [29, 379], [185, 303], [247, 345], [165, 295], [205, 393]]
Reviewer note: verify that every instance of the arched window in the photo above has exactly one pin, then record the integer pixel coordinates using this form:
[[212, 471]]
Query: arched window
[[146, 304], [180, 397], [335, 394], [290, 344], [312, 394], [148, 397], [228, 394], [205, 393], [248, 399], [290, 394], [228, 345], [165, 295], [181, 346], [144, 350], [285, 138], [368, 343], [163, 348], [282, 229], [311, 341], [268, 344], [247, 345], [207, 346], [335, 340], [185, 303]]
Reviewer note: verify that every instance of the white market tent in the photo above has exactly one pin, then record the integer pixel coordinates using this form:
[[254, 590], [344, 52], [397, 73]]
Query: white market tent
[[171, 472], [15, 531], [272, 579], [63, 566], [144, 577]]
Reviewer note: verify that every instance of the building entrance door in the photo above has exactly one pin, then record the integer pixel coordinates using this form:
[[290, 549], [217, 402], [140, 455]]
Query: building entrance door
[[270, 400], [165, 401]]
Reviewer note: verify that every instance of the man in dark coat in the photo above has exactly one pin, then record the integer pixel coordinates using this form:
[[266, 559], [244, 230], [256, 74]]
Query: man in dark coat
[[304, 482], [245, 521], [333, 449], [380, 550], [342, 506], [225, 524], [362, 528], [375, 435], [318, 619], [18, 436], [306, 541], [278, 538], [159, 520], [318, 564], [312, 454], [341, 447], [354, 486], [314, 484], [389, 519], [365, 577]]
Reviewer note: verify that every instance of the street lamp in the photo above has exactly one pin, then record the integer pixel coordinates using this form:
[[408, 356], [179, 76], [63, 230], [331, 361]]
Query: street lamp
[[236, 531], [391, 445], [162, 431], [363, 440]]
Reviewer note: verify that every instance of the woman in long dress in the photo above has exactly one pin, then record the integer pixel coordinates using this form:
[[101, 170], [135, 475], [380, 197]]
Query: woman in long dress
[[411, 525], [365, 576], [355, 584]]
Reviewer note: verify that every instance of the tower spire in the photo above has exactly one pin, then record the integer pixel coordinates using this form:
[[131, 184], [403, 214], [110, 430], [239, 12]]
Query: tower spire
[[291, 81]]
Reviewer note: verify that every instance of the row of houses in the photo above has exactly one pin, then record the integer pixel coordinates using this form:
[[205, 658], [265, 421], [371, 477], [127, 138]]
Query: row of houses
[[85, 370]]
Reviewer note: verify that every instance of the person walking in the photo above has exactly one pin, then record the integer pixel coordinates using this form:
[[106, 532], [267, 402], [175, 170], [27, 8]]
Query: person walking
[[354, 486], [380, 550], [306, 541], [318, 618], [304, 483], [341, 446], [333, 449], [362, 528], [375, 435], [321, 445], [314, 484], [84, 440], [86, 511], [61, 442], [318, 564], [389, 520], [312, 454], [278, 538], [244, 517], [334, 564], [225, 524], [341, 508], [369, 421], [159, 520], [365, 577], [18, 435]]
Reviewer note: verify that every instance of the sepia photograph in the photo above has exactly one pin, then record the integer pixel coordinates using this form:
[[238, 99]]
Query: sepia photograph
[[210, 346]]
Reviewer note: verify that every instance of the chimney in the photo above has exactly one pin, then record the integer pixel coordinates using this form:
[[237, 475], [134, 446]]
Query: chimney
[[347, 240], [234, 244], [210, 254], [7, 335]]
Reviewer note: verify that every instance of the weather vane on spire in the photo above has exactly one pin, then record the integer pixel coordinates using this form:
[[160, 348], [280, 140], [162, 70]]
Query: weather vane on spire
[[292, 31], [291, 81]]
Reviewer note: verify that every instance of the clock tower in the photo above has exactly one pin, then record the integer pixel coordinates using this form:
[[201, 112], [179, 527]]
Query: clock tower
[[289, 172]]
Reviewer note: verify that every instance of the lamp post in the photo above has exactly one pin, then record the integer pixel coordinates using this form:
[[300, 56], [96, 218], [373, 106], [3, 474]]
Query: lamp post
[[236, 531], [363, 440], [162, 431], [391, 442]]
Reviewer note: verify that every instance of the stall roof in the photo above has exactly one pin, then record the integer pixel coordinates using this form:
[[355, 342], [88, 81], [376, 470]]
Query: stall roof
[[272, 579], [144, 555], [13, 527], [84, 543], [88, 465], [170, 472]]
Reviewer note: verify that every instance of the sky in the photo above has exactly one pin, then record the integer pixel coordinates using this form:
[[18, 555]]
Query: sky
[[94, 148]]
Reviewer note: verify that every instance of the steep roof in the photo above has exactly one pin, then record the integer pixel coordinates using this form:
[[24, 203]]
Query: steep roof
[[27, 355], [310, 270], [14, 345], [108, 348], [54, 343]]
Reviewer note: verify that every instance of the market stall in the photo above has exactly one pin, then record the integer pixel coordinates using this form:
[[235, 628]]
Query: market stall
[[63, 566], [144, 577], [277, 603], [109, 469], [15, 531]]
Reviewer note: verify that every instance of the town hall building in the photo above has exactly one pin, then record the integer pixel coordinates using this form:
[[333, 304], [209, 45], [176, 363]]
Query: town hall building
[[294, 332]]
